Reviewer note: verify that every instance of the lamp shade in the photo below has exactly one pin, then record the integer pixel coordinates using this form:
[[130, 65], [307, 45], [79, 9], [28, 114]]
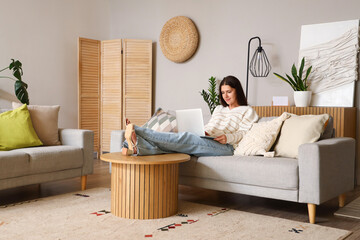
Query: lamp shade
[[259, 64]]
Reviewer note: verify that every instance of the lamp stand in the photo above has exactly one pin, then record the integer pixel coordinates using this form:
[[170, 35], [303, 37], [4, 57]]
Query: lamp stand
[[247, 74]]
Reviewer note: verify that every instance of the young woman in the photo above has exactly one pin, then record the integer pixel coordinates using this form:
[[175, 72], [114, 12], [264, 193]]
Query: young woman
[[228, 124]]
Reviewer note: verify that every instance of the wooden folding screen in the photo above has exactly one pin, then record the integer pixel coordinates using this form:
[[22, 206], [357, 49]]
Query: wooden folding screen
[[89, 87], [137, 75], [124, 90], [111, 90]]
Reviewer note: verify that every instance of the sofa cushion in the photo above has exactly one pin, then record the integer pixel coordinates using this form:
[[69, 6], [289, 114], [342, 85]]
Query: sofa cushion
[[45, 122], [49, 159], [162, 121], [12, 163], [260, 138], [298, 130], [275, 172], [329, 131], [16, 130]]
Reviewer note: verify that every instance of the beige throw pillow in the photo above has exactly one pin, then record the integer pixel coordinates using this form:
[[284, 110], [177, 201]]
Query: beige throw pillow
[[45, 122], [260, 138], [298, 130]]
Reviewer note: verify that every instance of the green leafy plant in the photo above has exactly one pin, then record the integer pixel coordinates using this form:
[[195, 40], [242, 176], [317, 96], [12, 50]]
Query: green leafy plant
[[211, 97], [20, 86], [298, 83]]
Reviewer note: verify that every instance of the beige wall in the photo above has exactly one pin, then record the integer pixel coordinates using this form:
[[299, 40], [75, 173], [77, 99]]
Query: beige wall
[[43, 34]]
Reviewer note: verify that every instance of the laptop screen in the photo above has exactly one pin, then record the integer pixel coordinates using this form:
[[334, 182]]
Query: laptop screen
[[190, 120]]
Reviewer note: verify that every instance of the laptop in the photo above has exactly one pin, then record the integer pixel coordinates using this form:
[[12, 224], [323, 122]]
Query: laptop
[[191, 120]]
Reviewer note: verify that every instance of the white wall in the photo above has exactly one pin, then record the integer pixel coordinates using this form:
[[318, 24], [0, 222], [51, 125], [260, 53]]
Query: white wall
[[43, 35], [225, 28]]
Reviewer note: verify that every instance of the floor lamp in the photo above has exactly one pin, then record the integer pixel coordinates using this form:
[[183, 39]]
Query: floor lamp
[[259, 64]]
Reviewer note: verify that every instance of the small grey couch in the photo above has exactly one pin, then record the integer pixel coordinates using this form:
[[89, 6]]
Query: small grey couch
[[324, 170], [34, 165]]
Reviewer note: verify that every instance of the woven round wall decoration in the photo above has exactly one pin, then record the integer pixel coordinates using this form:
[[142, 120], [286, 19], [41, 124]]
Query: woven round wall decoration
[[179, 39]]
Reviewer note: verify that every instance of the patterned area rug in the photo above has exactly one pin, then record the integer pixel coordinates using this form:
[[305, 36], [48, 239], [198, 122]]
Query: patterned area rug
[[86, 215], [351, 210]]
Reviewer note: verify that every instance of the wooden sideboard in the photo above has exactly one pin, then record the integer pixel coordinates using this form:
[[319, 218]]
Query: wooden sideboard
[[344, 117]]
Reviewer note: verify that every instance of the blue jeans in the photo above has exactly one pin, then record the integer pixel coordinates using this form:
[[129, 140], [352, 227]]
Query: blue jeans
[[150, 142]]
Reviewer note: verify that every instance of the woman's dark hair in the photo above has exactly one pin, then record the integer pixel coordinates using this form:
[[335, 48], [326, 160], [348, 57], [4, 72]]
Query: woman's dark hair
[[234, 83]]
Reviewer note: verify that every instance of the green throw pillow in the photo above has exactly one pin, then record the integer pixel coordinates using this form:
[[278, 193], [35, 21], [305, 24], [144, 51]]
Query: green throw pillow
[[16, 130]]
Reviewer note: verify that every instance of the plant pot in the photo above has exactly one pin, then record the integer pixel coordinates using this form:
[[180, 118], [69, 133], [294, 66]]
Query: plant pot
[[302, 98]]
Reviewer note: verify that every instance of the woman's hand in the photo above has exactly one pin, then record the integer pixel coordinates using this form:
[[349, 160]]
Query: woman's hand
[[206, 134], [221, 139]]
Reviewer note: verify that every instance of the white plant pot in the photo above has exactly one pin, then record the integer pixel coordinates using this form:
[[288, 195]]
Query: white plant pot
[[302, 98]]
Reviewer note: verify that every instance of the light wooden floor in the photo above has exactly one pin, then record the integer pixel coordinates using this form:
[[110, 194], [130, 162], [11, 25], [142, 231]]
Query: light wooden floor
[[282, 209]]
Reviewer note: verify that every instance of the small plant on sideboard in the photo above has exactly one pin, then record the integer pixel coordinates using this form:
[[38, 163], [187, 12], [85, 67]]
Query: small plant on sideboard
[[299, 84]]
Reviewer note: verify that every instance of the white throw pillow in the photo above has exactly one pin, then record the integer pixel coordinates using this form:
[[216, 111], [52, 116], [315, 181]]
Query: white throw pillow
[[45, 122], [298, 130], [260, 138]]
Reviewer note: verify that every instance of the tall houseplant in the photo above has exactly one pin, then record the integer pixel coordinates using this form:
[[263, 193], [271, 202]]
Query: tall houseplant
[[299, 84], [20, 86], [211, 97]]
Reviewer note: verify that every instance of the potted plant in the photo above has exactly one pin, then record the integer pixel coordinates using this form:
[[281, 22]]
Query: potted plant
[[211, 97], [20, 86], [300, 85]]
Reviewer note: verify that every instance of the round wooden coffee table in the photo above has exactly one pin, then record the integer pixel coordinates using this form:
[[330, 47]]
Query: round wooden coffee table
[[144, 187]]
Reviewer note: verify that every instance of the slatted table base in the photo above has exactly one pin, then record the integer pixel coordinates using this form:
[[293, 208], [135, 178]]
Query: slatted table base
[[144, 191]]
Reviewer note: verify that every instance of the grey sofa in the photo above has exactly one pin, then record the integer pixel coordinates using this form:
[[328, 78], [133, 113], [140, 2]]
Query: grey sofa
[[324, 170], [73, 158]]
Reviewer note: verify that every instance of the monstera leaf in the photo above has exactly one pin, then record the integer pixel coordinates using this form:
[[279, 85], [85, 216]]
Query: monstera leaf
[[20, 86], [21, 92], [16, 66]]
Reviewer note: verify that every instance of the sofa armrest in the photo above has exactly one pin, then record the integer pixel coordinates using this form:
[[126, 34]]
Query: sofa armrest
[[326, 169], [117, 139], [83, 139]]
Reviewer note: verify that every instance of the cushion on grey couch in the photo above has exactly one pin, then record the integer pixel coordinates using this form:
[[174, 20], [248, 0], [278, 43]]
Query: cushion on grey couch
[[329, 131], [276, 172], [62, 158], [12, 163]]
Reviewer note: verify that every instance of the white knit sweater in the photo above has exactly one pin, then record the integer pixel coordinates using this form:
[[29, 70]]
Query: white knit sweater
[[233, 123]]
